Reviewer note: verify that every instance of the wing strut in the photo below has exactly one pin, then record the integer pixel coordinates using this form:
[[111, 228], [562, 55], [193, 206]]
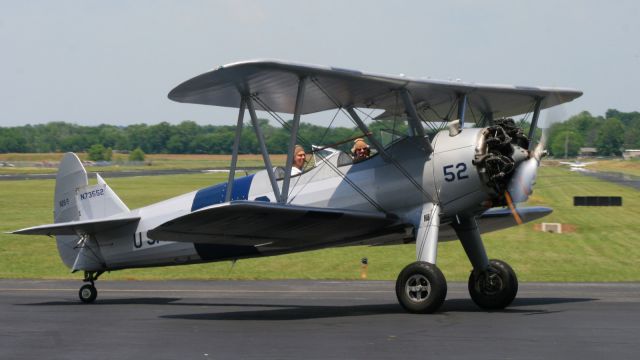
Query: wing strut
[[263, 149], [534, 122], [462, 107], [234, 153], [415, 125], [292, 140]]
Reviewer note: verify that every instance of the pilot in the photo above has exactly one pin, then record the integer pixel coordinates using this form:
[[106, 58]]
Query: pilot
[[299, 159], [360, 150]]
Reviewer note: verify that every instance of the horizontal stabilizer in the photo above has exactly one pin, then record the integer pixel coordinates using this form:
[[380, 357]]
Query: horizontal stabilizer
[[78, 227], [254, 223]]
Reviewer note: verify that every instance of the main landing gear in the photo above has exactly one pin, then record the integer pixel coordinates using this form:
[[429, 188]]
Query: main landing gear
[[88, 292], [493, 283], [494, 288], [422, 288]]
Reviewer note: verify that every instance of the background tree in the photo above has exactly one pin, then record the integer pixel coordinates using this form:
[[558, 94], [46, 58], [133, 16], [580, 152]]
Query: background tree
[[568, 140], [136, 155], [610, 137], [608, 134], [96, 152]]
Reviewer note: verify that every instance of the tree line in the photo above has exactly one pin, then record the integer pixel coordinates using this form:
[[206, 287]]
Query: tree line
[[610, 134], [185, 138]]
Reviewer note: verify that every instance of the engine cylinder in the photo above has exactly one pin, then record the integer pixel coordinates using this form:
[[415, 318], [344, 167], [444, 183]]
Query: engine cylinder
[[501, 149]]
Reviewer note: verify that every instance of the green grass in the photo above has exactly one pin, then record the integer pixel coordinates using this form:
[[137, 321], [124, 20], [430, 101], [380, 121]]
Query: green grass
[[631, 167], [605, 246], [152, 162]]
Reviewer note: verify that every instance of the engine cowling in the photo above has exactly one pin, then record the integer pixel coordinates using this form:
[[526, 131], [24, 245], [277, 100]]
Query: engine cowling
[[501, 150]]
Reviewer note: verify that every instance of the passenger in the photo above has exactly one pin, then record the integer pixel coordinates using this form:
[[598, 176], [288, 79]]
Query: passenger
[[360, 150], [299, 159]]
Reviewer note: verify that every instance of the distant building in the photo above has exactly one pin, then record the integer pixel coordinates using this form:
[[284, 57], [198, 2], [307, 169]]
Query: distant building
[[630, 154], [588, 152]]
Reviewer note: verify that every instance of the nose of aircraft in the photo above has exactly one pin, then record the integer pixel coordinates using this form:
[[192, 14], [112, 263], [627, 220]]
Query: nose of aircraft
[[508, 167]]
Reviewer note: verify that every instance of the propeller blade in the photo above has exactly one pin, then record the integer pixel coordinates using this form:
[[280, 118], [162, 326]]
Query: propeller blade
[[521, 184], [514, 211]]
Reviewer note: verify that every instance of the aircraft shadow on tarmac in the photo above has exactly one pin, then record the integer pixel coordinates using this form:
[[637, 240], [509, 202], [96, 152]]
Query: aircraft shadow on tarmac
[[297, 312], [283, 311]]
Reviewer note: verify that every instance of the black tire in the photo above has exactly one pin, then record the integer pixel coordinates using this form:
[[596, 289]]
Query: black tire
[[88, 293], [421, 288], [495, 289]]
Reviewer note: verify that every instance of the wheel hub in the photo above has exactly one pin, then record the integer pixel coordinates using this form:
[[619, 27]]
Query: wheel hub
[[491, 283], [418, 288], [86, 293]]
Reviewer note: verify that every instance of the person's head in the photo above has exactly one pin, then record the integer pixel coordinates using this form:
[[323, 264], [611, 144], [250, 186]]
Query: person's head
[[299, 157], [360, 149]]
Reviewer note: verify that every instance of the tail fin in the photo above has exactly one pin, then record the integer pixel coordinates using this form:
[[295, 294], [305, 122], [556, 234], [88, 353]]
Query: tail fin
[[71, 176], [76, 200], [98, 201]]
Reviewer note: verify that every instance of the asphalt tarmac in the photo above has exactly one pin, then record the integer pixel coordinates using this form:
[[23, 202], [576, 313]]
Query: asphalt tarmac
[[311, 320]]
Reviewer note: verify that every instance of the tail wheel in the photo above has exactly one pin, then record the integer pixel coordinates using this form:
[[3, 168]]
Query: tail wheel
[[421, 288], [88, 293], [494, 288]]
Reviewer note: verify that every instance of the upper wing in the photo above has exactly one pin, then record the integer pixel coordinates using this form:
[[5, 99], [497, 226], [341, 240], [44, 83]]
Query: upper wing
[[76, 227], [275, 84], [256, 223]]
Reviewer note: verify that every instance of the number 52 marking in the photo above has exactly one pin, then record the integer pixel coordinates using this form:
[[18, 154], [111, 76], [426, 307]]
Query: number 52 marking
[[450, 175]]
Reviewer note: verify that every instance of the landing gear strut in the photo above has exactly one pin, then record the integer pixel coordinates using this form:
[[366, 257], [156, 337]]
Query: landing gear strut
[[88, 292], [492, 283], [421, 286]]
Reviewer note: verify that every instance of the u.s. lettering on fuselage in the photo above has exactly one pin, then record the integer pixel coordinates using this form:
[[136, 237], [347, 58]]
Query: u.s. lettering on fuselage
[[141, 241], [91, 194]]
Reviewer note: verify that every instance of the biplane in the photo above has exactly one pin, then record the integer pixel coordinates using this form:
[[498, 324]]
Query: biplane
[[428, 184]]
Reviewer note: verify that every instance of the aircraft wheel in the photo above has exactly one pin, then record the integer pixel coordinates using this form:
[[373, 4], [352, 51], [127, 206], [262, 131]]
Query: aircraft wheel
[[495, 288], [88, 293], [421, 288]]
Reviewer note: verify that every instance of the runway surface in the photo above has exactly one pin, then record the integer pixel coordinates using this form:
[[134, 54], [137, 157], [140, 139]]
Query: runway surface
[[311, 320]]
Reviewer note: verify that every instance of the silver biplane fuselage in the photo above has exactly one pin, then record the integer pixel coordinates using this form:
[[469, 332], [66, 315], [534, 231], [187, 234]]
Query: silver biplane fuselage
[[421, 188], [322, 186]]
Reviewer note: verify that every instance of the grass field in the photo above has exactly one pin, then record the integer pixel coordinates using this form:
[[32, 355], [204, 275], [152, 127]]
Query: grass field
[[631, 167], [46, 163], [604, 247]]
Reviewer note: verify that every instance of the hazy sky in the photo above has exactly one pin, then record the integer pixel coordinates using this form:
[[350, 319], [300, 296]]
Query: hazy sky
[[92, 62]]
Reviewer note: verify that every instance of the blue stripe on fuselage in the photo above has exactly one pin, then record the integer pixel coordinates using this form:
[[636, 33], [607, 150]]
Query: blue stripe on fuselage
[[215, 194]]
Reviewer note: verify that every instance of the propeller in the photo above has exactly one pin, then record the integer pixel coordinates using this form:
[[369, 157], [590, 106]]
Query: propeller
[[521, 184]]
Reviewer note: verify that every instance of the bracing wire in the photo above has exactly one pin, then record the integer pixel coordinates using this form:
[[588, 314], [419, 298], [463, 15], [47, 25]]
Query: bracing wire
[[279, 119], [329, 127], [473, 115], [392, 160]]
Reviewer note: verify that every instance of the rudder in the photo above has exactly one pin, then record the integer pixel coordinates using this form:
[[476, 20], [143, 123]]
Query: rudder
[[71, 176], [75, 200]]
